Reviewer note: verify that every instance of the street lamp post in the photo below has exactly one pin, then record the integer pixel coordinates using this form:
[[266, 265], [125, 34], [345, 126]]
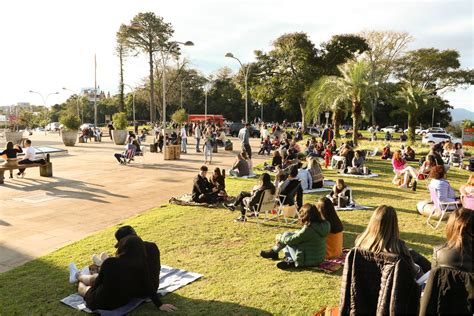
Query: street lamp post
[[246, 69], [45, 99], [77, 99], [133, 102]]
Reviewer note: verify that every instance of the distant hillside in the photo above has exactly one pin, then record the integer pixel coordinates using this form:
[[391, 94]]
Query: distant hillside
[[462, 114]]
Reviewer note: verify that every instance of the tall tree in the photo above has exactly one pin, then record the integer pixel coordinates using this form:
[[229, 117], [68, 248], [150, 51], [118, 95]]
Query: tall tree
[[121, 49], [353, 86], [385, 48], [288, 70], [149, 34]]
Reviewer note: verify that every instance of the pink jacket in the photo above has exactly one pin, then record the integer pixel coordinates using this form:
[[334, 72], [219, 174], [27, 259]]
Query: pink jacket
[[398, 165]]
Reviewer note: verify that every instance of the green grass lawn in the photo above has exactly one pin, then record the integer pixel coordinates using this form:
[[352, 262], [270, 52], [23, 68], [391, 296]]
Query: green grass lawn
[[236, 280]]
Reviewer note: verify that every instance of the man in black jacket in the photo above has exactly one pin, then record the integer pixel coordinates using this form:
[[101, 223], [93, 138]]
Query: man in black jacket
[[291, 188], [203, 192]]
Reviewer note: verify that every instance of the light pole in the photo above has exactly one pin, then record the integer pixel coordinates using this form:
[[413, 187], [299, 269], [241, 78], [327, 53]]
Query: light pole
[[246, 69], [45, 99], [133, 102], [77, 99], [207, 86]]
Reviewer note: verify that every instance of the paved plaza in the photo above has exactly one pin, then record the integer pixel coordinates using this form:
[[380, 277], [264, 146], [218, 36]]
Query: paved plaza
[[89, 192]]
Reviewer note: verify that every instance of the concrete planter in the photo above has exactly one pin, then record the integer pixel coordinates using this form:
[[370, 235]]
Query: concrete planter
[[69, 137], [14, 137], [119, 136]]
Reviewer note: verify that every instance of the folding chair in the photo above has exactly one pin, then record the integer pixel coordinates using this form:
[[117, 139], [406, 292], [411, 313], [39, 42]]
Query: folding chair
[[265, 205], [287, 211], [441, 206], [374, 153], [467, 202]]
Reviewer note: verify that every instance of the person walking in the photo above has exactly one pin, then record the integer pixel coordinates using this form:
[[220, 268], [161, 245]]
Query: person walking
[[244, 136], [184, 139], [197, 136], [110, 126]]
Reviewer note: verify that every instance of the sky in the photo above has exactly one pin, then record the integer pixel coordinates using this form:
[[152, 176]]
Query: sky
[[47, 45]]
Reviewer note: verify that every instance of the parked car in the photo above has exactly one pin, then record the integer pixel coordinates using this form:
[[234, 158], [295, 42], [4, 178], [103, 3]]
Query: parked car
[[417, 130], [86, 126], [432, 130], [435, 138], [234, 128], [53, 127], [391, 129]]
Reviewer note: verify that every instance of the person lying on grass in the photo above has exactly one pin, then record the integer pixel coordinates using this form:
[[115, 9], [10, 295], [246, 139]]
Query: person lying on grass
[[250, 200], [306, 247], [121, 279]]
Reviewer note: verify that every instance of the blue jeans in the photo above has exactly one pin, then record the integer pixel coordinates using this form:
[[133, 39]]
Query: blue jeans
[[184, 143], [198, 140], [290, 252]]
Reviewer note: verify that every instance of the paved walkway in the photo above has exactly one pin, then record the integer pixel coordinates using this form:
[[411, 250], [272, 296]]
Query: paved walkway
[[89, 192]]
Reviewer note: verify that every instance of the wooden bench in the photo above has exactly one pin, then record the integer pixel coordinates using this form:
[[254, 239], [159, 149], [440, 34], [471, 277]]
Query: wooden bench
[[46, 170]]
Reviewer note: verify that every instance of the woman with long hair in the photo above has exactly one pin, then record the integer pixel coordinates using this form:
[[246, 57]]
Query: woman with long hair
[[121, 278], [403, 171], [382, 235], [316, 172], [306, 247], [335, 238], [251, 199], [457, 251], [10, 153]]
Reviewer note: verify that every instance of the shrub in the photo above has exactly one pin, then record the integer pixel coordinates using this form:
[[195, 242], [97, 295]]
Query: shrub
[[70, 121], [180, 116], [120, 120]]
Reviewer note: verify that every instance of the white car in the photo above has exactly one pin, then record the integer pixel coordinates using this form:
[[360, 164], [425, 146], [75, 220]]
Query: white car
[[417, 130], [432, 130], [435, 138], [54, 126], [390, 129]]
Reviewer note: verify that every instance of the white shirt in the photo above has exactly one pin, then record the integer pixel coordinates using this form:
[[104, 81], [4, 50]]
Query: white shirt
[[30, 153], [305, 177], [197, 132], [264, 133], [183, 133]]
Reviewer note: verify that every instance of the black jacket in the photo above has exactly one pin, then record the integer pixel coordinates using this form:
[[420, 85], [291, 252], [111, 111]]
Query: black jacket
[[290, 188], [378, 284], [443, 256], [201, 186]]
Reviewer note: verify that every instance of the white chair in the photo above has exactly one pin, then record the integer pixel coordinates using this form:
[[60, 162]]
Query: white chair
[[440, 206], [265, 205]]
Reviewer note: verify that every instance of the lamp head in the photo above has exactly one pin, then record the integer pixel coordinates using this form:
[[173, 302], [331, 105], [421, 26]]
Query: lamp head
[[188, 43], [230, 55]]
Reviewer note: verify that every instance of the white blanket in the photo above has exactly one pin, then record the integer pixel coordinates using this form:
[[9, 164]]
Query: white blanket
[[372, 175], [171, 279], [316, 190], [353, 208], [252, 175]]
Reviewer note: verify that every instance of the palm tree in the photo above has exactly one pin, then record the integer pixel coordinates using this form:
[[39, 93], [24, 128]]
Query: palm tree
[[413, 100], [318, 101], [352, 87]]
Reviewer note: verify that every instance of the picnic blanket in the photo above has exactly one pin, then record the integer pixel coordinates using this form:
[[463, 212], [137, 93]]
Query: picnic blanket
[[171, 279], [309, 191], [329, 183], [333, 265], [372, 175], [187, 200], [252, 175], [355, 207]]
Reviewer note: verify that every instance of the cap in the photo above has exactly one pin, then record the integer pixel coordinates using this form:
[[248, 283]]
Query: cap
[[122, 232]]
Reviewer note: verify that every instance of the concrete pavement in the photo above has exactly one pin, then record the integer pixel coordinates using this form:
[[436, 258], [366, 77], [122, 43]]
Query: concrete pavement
[[89, 192]]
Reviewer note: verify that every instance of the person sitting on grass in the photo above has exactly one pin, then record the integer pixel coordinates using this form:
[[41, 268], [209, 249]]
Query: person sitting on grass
[[240, 168], [218, 181], [266, 146], [203, 192], [316, 172], [275, 143], [335, 236], [250, 200], [340, 194], [358, 162], [306, 247], [382, 235], [276, 161], [121, 279], [386, 153], [129, 148], [295, 146], [305, 177], [408, 154], [10, 155]]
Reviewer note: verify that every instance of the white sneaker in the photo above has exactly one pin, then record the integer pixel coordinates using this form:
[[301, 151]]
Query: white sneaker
[[96, 260], [85, 271], [73, 270], [103, 256]]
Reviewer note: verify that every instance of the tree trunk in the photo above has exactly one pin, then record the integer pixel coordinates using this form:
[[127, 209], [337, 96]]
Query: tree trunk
[[121, 96], [356, 112], [373, 107], [152, 88], [411, 128], [303, 122], [336, 115]]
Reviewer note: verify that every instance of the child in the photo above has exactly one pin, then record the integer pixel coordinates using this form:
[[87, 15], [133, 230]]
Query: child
[[327, 156]]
